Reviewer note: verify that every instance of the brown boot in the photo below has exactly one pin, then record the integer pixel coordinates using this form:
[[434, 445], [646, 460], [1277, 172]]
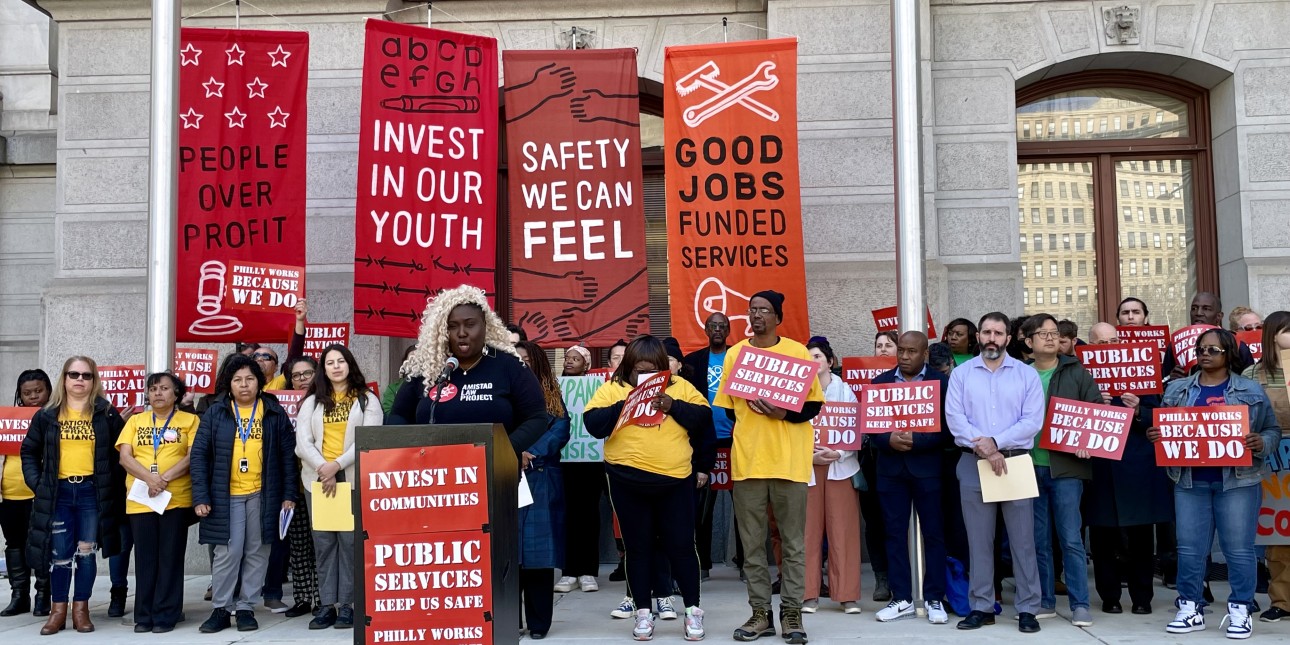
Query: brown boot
[[81, 617], [57, 620]]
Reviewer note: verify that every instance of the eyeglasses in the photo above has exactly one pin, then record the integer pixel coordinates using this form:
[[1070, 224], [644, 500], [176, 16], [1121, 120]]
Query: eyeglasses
[[303, 375], [718, 325], [765, 311], [259, 356], [1209, 350], [81, 376], [1254, 327], [1046, 335]]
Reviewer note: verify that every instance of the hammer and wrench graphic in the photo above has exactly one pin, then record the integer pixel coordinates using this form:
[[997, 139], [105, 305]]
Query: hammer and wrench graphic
[[724, 95]]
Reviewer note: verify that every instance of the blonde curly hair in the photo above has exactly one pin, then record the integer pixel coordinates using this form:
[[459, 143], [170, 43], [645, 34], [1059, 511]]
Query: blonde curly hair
[[432, 341]]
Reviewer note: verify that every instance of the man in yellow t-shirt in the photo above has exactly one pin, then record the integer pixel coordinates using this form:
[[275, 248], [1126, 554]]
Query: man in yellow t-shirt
[[770, 464]]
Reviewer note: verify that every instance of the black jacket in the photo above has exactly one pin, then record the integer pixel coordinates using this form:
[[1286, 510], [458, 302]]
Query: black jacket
[[212, 468], [40, 454], [1132, 491], [696, 369], [924, 459], [1071, 381]]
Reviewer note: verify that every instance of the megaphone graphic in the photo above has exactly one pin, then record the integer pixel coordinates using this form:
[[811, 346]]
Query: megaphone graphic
[[713, 296]]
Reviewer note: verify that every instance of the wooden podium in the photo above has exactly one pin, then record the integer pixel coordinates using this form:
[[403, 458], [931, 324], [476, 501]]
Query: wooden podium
[[437, 554]]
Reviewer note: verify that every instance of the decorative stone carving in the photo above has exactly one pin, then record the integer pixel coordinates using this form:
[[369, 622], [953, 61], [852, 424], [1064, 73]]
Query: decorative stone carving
[[576, 38], [1121, 25]]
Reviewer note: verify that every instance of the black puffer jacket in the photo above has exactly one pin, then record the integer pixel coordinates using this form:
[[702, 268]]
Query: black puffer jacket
[[212, 468], [40, 453]]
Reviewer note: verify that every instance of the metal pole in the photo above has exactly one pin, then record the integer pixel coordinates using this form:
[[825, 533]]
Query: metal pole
[[163, 185], [907, 122]]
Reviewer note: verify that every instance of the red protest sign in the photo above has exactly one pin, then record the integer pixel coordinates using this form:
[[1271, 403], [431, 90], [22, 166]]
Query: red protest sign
[[13, 428], [1253, 340], [639, 409], [887, 319], [290, 401], [602, 372], [836, 426], [721, 471], [577, 220], [255, 286], [433, 587], [123, 386], [242, 140], [320, 335], [1158, 334], [375, 388], [424, 489], [761, 374], [901, 407], [1203, 436], [1072, 426], [1184, 344], [858, 371], [196, 368], [426, 209], [1123, 367]]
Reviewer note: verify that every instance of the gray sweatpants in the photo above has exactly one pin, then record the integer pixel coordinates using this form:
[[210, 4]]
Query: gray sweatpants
[[980, 519], [334, 555], [244, 554]]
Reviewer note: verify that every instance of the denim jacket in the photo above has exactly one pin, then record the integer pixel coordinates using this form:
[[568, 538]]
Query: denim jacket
[[1240, 391]]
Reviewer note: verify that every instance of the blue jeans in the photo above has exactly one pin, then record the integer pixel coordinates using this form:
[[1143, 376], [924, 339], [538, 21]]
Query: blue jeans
[[76, 522], [1199, 510], [1062, 496]]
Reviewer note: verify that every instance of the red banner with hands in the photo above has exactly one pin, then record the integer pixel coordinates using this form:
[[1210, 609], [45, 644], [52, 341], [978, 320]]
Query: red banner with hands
[[242, 134], [14, 422], [426, 210]]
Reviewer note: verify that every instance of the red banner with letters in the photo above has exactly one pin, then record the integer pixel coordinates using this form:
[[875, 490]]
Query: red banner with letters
[[734, 222], [1203, 436], [721, 471], [426, 210], [196, 368], [14, 422], [836, 426], [639, 409], [1123, 367], [1158, 334], [762, 374], [320, 335], [290, 400], [577, 215], [429, 588], [858, 371], [1184, 344], [887, 319], [1072, 426], [1253, 340], [123, 386], [400, 483], [901, 407], [242, 132]]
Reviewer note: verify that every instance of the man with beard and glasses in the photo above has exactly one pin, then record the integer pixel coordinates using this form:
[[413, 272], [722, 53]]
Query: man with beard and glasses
[[995, 407]]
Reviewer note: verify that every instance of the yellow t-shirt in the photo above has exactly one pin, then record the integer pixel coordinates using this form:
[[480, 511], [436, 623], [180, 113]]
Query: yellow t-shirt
[[175, 442], [663, 449], [14, 487], [334, 426], [249, 482], [278, 382], [765, 448], [75, 443]]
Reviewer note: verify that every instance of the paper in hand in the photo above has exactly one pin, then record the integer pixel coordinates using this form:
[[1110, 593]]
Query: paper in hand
[[139, 493], [1018, 483], [284, 521], [526, 494]]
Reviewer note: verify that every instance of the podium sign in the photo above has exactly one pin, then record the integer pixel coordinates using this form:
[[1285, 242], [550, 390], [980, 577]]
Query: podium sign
[[437, 552]]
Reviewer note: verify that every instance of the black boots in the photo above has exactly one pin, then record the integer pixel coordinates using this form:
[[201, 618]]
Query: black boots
[[40, 608], [116, 606], [19, 582]]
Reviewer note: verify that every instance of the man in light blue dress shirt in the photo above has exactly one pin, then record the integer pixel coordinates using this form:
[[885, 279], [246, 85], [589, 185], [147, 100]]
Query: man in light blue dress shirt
[[995, 407]]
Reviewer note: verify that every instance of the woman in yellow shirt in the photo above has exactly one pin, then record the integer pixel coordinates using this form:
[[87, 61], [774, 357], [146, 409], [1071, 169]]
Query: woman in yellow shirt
[[338, 401], [652, 477], [69, 463], [154, 452], [33, 391]]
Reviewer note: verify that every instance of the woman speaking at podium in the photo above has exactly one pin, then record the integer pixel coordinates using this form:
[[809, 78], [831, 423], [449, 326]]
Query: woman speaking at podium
[[464, 370]]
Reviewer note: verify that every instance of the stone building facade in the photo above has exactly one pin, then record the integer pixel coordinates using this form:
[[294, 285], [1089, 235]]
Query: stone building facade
[[74, 129]]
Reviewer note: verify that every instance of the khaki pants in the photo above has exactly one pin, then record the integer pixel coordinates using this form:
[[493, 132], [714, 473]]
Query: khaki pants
[[833, 509], [1279, 566], [787, 500]]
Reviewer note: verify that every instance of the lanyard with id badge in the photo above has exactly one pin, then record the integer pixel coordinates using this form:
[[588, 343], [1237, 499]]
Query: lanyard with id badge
[[244, 433], [165, 434]]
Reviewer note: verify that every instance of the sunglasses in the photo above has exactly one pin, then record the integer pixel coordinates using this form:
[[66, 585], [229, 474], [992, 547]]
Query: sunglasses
[[81, 376], [1253, 327], [1209, 350], [264, 357]]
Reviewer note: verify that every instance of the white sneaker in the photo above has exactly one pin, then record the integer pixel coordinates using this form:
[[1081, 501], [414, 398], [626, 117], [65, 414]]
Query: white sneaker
[[1190, 618], [566, 584], [693, 624], [625, 610], [936, 613], [664, 608], [810, 606], [644, 629], [1238, 621], [588, 583], [895, 610]]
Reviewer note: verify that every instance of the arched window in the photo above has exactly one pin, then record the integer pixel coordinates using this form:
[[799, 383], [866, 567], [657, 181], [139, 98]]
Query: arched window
[[1132, 167]]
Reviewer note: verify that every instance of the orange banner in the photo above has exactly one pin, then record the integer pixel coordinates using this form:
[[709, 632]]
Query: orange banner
[[734, 224]]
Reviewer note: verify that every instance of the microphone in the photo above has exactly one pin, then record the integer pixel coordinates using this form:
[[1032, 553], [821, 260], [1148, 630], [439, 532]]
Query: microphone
[[448, 367]]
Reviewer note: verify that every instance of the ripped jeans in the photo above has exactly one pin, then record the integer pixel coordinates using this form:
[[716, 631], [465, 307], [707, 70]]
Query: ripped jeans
[[74, 539]]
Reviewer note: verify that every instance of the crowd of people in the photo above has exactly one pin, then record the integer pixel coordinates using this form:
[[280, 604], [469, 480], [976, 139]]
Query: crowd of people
[[234, 461]]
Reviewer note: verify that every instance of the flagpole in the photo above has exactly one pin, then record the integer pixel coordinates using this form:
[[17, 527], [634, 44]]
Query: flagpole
[[162, 185]]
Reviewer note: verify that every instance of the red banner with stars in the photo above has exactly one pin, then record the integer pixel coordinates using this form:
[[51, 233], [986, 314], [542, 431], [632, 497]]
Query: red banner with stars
[[241, 175], [426, 209]]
